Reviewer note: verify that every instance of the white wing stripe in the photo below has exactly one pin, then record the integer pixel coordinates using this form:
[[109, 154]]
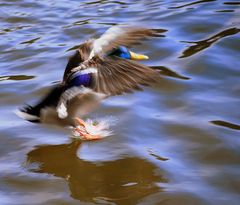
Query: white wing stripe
[[88, 70], [110, 35], [83, 70]]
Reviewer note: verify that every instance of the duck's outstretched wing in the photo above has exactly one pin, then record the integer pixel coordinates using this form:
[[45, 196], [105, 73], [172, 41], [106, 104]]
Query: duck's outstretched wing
[[114, 37], [115, 76], [120, 36]]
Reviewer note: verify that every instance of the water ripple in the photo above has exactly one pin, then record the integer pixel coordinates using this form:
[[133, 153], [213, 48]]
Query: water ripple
[[203, 44]]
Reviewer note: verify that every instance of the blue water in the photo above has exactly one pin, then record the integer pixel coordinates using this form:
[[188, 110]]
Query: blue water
[[175, 143]]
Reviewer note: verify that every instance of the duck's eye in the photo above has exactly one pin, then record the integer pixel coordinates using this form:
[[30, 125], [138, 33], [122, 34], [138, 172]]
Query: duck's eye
[[121, 52]]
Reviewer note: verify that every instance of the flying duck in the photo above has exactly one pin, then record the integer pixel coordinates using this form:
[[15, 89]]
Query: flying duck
[[99, 68]]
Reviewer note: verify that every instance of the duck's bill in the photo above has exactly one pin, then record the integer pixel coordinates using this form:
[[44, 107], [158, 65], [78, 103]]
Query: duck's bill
[[136, 56]]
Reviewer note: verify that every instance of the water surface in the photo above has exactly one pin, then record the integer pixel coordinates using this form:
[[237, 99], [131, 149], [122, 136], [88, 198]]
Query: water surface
[[175, 143]]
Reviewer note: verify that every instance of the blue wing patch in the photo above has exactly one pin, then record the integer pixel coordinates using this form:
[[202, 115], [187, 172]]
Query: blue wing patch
[[78, 79]]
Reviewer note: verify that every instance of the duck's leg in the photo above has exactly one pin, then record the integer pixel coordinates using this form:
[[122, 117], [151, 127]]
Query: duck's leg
[[90, 137], [80, 121], [83, 132]]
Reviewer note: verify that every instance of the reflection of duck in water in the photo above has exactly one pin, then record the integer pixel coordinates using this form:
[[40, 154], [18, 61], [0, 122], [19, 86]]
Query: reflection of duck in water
[[124, 181], [100, 68]]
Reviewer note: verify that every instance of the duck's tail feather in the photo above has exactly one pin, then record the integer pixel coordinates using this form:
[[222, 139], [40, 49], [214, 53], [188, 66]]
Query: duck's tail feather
[[32, 113], [28, 113]]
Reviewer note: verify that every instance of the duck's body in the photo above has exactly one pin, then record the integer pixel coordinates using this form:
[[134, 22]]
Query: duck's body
[[100, 68]]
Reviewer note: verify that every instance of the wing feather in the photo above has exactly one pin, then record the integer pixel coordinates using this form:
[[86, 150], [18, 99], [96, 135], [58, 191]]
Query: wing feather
[[120, 36], [116, 76]]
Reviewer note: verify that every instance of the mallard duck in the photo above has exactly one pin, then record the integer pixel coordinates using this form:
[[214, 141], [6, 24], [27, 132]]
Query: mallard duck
[[99, 68]]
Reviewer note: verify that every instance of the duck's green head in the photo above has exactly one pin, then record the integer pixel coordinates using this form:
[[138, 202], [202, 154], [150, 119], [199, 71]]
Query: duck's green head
[[123, 52]]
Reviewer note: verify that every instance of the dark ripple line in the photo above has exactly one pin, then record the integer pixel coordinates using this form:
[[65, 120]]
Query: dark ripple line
[[201, 45], [231, 3], [16, 77], [157, 156], [78, 23], [226, 10], [190, 4], [225, 124], [30, 41], [7, 30], [105, 2]]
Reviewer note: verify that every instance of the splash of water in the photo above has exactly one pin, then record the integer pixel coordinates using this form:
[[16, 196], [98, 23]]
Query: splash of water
[[97, 127]]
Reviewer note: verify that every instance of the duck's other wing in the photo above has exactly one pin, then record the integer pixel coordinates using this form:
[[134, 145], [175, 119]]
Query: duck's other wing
[[120, 36], [80, 55]]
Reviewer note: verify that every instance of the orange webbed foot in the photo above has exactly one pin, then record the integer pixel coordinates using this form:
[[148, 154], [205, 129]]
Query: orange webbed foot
[[81, 129]]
